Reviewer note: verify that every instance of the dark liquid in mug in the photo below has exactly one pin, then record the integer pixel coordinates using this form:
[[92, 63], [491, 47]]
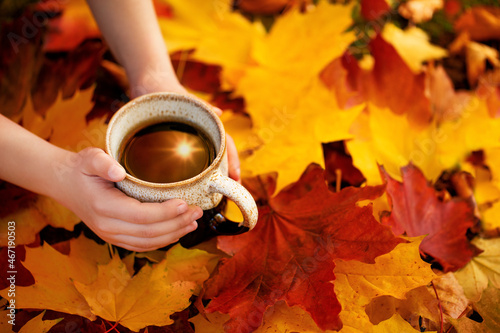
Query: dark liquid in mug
[[167, 152]]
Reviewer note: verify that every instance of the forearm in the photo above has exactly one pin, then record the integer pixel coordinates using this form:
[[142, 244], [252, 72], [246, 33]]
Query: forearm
[[29, 161], [131, 29]]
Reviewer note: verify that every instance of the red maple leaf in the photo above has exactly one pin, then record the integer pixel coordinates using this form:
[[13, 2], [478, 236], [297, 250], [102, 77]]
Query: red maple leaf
[[417, 210], [373, 9], [390, 73], [289, 255]]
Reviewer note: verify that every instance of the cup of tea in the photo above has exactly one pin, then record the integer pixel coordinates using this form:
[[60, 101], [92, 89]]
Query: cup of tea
[[174, 147]]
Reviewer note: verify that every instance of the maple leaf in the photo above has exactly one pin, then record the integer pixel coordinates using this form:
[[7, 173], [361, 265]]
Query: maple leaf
[[421, 303], [267, 7], [420, 10], [482, 269], [53, 273], [480, 22], [382, 137], [373, 9], [150, 296], [394, 274], [488, 309], [38, 325], [338, 163], [73, 26], [65, 124], [395, 324], [65, 74], [339, 76], [33, 218], [217, 35], [416, 211], [445, 101], [391, 73], [18, 64], [299, 232], [412, 45]]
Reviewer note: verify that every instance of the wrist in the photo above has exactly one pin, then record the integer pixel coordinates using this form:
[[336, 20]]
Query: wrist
[[154, 78]]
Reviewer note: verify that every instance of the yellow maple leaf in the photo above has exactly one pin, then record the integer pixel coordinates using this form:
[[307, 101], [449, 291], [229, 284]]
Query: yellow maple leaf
[[482, 269], [297, 38], [64, 124], [218, 35], [291, 135], [412, 45], [53, 273], [421, 303], [29, 221], [209, 322], [394, 274], [38, 325], [395, 324], [382, 137], [150, 296]]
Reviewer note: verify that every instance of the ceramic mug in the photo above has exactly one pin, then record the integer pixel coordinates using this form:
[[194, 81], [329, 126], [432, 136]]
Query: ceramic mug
[[205, 189]]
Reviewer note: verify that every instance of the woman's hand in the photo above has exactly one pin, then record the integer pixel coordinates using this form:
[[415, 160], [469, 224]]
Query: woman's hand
[[87, 189]]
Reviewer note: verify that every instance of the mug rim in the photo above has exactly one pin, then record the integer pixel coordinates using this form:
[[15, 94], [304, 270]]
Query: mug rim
[[170, 96]]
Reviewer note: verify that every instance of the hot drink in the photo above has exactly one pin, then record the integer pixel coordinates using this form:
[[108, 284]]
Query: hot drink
[[166, 152]]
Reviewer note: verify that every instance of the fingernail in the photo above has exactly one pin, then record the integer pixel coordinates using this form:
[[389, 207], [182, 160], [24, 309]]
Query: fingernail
[[182, 208], [238, 173], [197, 214], [193, 226], [116, 173]]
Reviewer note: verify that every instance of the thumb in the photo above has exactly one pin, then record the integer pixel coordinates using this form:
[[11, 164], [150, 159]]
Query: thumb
[[97, 163]]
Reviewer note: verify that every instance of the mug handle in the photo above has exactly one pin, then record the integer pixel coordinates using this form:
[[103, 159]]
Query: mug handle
[[241, 197]]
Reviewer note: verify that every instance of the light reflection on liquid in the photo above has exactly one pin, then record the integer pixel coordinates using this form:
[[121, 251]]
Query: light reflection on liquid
[[165, 156]]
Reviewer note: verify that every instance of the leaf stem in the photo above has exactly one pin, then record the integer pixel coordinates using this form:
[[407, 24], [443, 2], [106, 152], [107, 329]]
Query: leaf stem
[[113, 327], [440, 307]]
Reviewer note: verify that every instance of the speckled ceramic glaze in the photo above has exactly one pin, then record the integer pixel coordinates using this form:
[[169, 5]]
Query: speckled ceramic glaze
[[205, 189]]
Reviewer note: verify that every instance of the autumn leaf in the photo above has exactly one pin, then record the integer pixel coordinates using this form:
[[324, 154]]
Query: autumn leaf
[[445, 101], [391, 73], [33, 218], [63, 75], [481, 23], [416, 211], [406, 42], [382, 137], [395, 324], [54, 272], [267, 7], [373, 9], [72, 27], [339, 76], [422, 304], [38, 325], [482, 270], [420, 10], [19, 64], [339, 167], [150, 296], [54, 126], [394, 274], [285, 147], [294, 112], [488, 309], [217, 35], [300, 231]]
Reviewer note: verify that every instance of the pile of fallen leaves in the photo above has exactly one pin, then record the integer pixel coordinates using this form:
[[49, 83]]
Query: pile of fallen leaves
[[369, 136]]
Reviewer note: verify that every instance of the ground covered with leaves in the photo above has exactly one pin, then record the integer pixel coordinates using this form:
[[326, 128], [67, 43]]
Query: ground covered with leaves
[[369, 136]]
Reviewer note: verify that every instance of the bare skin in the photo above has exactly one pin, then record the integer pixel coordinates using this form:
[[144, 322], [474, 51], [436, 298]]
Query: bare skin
[[84, 181]]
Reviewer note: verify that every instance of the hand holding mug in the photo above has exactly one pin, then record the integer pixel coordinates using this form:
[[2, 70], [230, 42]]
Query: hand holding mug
[[174, 147]]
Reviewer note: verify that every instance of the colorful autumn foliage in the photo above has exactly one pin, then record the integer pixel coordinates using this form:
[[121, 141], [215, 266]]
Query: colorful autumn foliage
[[369, 137]]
